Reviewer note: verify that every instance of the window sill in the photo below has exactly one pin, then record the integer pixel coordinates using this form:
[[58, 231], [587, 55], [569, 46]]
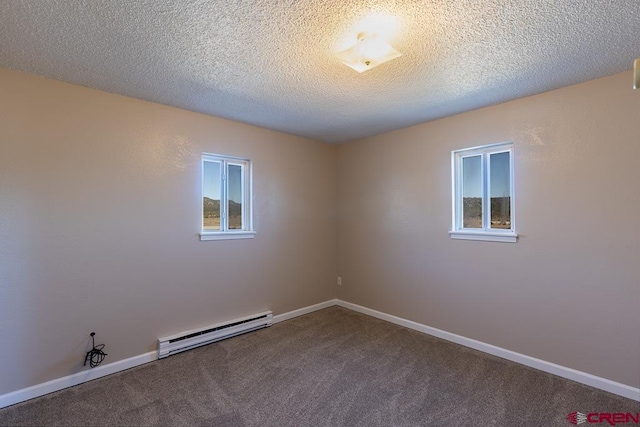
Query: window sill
[[486, 236], [227, 235]]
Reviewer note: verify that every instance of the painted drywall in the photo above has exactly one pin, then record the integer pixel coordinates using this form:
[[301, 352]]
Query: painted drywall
[[569, 291], [100, 209]]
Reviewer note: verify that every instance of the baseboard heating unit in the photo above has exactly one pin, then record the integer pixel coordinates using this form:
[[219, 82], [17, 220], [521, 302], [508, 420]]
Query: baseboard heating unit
[[197, 337]]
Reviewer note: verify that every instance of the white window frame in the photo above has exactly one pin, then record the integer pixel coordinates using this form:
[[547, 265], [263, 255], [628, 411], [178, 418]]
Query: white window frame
[[247, 210], [485, 233]]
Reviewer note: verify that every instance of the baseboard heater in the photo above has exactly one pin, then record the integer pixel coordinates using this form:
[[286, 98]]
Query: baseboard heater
[[197, 337]]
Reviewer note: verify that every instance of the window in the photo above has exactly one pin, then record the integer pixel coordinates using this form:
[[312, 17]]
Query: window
[[483, 202], [226, 198]]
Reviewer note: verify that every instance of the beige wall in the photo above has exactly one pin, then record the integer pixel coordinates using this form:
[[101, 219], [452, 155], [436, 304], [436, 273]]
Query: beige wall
[[569, 291], [100, 205], [99, 220]]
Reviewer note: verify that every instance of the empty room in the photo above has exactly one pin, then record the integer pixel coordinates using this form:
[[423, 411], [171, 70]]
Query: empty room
[[319, 213]]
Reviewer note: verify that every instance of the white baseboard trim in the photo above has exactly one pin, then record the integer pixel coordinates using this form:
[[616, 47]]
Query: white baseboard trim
[[561, 371], [305, 310], [542, 365], [75, 379], [91, 374]]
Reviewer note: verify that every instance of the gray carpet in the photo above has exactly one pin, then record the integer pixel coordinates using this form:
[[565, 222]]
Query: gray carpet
[[333, 367]]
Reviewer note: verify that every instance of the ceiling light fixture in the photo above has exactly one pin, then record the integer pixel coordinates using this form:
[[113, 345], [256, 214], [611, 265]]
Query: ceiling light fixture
[[369, 52]]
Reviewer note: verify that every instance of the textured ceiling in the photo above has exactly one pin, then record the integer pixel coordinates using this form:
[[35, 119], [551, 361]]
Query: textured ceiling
[[271, 63]]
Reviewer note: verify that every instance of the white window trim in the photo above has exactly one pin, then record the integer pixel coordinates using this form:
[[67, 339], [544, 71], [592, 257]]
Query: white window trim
[[484, 234], [226, 235], [247, 198]]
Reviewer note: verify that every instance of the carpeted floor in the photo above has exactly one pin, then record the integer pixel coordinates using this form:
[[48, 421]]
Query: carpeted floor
[[334, 367]]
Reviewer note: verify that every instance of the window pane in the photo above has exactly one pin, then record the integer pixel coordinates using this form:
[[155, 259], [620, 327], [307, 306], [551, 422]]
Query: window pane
[[211, 196], [500, 182], [235, 197], [472, 192]]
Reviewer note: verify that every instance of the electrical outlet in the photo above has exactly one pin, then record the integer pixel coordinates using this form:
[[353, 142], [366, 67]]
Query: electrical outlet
[[339, 281]]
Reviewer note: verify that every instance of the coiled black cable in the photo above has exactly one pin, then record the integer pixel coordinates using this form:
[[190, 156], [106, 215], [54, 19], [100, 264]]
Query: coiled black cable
[[95, 356]]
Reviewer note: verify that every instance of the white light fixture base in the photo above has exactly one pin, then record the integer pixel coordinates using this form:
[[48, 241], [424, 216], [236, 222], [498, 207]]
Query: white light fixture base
[[369, 52]]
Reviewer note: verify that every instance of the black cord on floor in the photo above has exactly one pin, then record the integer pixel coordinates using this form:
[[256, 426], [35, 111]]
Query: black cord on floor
[[95, 356]]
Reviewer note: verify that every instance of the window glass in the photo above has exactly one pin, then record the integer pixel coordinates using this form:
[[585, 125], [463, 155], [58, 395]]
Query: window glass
[[211, 196], [500, 188], [235, 197], [472, 192]]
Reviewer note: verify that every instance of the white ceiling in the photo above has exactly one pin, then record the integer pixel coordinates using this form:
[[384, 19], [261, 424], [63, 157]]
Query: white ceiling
[[270, 62]]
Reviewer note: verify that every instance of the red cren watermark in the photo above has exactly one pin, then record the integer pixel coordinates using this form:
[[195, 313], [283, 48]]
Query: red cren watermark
[[612, 418]]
